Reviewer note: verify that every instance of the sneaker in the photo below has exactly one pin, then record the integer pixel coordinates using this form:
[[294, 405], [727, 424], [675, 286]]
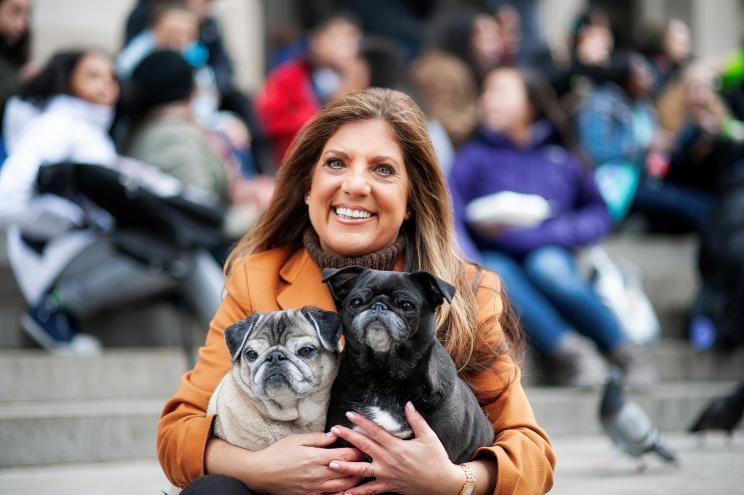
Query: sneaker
[[56, 330], [577, 362], [636, 364]]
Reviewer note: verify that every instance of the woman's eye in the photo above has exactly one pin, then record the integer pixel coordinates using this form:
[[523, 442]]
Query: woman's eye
[[251, 355], [384, 170], [406, 306], [356, 302], [334, 163], [306, 351]]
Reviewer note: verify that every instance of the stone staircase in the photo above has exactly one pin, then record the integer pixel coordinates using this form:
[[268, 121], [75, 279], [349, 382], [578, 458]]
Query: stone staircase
[[60, 415]]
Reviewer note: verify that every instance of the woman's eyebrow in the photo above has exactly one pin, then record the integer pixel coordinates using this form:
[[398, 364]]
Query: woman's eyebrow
[[337, 152]]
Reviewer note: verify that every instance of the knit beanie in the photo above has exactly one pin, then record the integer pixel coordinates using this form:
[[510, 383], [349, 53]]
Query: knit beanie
[[162, 77]]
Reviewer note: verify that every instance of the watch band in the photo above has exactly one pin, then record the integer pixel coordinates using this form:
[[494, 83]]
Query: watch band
[[469, 487]]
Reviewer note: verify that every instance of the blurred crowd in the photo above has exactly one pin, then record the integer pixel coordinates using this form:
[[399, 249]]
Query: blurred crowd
[[610, 135]]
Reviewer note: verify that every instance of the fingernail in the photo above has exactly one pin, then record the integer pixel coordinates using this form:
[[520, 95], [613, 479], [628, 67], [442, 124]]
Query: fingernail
[[336, 430], [409, 406], [334, 465], [350, 415], [330, 434]]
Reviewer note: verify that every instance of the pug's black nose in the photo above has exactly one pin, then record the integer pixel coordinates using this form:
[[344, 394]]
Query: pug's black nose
[[378, 306], [276, 356]]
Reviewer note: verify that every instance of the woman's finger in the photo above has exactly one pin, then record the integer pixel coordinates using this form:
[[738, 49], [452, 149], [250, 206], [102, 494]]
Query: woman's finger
[[340, 484], [359, 440], [315, 439], [348, 454], [360, 469], [420, 427], [372, 429]]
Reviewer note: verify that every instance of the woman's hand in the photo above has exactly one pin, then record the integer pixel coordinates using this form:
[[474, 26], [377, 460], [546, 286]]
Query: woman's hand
[[419, 465], [297, 464]]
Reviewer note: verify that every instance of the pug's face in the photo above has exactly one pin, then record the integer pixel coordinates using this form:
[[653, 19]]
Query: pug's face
[[387, 311], [285, 355]]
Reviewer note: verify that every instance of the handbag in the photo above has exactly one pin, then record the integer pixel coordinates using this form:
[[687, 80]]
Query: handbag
[[620, 289]]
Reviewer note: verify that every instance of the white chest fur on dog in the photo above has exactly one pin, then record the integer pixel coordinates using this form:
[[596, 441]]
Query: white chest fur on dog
[[388, 421]]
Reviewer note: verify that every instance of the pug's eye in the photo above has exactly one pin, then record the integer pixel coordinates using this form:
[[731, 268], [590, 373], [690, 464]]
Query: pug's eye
[[405, 305], [306, 351], [251, 355], [356, 302]]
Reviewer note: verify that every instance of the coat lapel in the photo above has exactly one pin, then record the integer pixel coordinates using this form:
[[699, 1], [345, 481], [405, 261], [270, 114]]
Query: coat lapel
[[304, 287]]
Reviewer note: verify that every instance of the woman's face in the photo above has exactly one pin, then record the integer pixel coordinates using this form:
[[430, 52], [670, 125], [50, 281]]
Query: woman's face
[[14, 19], [359, 192], [504, 104], [93, 80]]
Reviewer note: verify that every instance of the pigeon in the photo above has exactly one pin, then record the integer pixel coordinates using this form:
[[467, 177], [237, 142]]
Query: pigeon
[[628, 425], [721, 413]]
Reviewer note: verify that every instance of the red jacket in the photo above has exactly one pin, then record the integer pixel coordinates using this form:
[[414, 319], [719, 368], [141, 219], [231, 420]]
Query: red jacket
[[285, 103]]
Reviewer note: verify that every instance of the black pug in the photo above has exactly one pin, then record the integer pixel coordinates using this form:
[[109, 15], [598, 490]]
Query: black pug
[[392, 356]]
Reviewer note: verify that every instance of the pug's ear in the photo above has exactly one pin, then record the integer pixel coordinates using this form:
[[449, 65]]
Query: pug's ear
[[237, 334], [341, 280], [327, 325], [436, 289]]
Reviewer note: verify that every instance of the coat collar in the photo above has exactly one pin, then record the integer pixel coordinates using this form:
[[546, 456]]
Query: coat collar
[[304, 286]]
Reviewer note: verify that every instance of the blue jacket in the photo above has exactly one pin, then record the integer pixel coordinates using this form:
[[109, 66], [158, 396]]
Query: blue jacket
[[611, 127], [491, 163]]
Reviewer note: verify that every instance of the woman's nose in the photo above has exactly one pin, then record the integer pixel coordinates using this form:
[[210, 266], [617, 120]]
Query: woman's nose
[[356, 182]]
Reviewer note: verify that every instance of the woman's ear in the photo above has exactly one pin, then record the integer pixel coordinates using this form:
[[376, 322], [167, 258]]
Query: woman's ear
[[307, 198]]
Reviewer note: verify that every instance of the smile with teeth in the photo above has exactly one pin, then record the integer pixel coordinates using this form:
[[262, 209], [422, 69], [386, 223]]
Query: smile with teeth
[[348, 213]]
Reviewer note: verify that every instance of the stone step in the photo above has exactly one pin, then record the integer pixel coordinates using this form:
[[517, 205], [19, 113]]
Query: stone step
[[30, 375], [566, 411], [27, 375], [99, 478], [152, 324], [676, 359], [54, 432]]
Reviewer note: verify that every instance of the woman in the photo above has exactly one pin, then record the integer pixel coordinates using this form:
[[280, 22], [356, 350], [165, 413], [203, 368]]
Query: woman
[[369, 153], [61, 250], [516, 150]]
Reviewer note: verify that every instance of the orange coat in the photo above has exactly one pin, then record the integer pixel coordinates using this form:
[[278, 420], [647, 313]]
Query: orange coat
[[284, 279]]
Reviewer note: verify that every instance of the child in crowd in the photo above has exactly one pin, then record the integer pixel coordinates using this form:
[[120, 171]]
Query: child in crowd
[[517, 148]]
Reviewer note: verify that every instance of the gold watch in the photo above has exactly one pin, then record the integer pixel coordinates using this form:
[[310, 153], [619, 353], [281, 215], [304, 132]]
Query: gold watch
[[469, 487]]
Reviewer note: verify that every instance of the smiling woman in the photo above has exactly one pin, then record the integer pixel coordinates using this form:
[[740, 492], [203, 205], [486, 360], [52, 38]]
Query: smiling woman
[[361, 186], [358, 196]]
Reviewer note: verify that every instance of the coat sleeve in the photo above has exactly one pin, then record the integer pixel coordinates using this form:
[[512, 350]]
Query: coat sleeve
[[45, 141], [184, 426], [522, 451]]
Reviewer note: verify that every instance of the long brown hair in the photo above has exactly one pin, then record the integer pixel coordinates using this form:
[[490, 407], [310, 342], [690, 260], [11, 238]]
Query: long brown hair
[[429, 231]]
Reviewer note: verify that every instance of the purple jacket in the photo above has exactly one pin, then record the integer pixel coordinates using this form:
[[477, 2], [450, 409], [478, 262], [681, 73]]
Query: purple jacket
[[491, 163]]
